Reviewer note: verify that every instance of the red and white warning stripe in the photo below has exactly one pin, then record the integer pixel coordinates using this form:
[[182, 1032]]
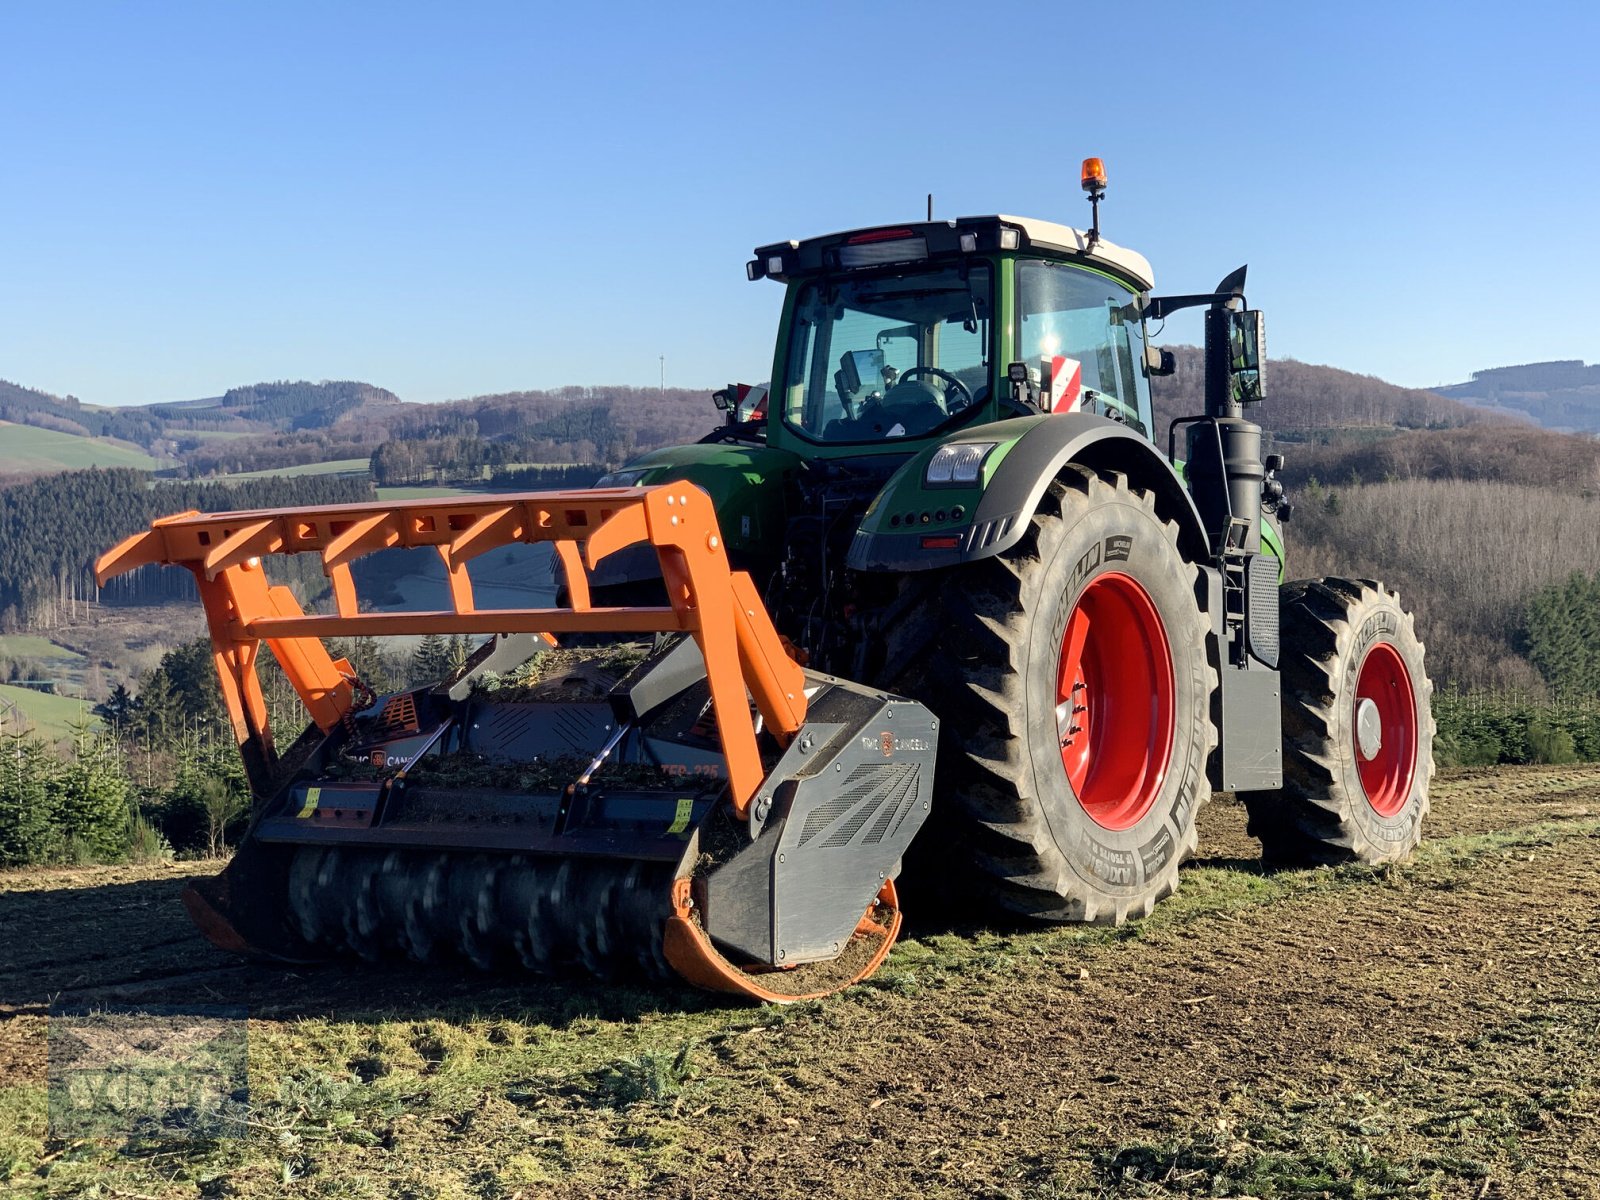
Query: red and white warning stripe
[[750, 400], [1066, 383]]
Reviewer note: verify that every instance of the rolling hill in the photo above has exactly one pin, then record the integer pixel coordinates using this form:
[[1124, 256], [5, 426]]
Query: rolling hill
[[1564, 394], [298, 426], [1310, 402]]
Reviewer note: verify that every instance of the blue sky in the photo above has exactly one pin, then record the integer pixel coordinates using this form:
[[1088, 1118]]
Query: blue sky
[[454, 200]]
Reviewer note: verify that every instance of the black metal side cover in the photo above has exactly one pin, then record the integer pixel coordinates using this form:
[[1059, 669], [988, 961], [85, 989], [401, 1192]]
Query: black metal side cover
[[834, 817], [1250, 743], [1247, 705]]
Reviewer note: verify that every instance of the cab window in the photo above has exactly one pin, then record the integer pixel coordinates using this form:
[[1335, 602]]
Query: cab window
[[884, 357], [1088, 319]]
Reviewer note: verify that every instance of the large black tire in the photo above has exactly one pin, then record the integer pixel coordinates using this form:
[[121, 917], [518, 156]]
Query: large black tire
[[1350, 651], [1011, 813]]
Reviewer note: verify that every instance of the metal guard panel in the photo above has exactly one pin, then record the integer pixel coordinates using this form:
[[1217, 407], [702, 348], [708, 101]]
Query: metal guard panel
[[845, 801]]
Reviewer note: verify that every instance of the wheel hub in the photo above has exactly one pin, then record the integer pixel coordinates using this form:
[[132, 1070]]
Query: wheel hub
[[1115, 701], [1384, 713], [1369, 728]]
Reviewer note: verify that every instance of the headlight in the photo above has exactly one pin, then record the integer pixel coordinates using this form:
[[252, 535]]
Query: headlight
[[957, 464], [627, 478]]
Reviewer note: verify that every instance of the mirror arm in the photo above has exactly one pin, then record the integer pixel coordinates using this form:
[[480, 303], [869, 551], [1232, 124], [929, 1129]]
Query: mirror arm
[[1159, 307], [1228, 291]]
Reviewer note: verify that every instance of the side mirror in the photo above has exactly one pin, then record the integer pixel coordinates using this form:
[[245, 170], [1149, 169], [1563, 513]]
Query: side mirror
[[862, 369], [741, 402], [849, 381], [1247, 342], [1159, 361]]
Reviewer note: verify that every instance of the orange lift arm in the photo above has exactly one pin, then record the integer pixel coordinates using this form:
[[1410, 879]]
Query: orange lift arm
[[718, 607]]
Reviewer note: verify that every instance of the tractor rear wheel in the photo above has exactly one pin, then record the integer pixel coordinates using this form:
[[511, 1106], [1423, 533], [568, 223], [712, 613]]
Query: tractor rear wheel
[[1357, 729], [1074, 688]]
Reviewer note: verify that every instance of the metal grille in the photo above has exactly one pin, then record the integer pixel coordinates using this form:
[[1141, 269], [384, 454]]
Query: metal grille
[[865, 790], [399, 715], [1262, 593]]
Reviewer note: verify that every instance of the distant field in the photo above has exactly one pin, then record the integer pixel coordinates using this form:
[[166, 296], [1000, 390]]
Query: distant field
[[211, 435], [339, 466], [52, 717], [27, 448], [66, 667], [443, 491], [420, 493], [27, 645]]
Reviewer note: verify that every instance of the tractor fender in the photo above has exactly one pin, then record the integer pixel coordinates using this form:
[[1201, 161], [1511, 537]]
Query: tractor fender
[[913, 526], [1272, 543]]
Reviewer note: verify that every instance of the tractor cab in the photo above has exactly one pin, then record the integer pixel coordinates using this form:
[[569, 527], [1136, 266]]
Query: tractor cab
[[896, 336]]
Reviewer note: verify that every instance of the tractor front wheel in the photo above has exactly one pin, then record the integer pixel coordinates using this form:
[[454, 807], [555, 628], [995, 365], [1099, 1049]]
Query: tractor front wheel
[[1357, 729], [1075, 689]]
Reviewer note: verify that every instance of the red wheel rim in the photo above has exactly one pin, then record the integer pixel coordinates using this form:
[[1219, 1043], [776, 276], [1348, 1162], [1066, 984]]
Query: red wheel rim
[[1384, 718], [1115, 701]]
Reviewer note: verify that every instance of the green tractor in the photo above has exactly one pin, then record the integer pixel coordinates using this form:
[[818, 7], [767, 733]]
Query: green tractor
[[941, 591], [954, 489]]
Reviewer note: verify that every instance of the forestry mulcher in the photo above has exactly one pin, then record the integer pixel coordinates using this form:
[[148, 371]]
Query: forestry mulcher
[[941, 593]]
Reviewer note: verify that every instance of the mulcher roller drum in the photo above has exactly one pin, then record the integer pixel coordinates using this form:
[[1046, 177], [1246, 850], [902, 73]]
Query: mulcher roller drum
[[497, 912]]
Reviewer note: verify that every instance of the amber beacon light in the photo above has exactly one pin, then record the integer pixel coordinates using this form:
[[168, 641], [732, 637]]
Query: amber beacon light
[[1094, 175], [1094, 183]]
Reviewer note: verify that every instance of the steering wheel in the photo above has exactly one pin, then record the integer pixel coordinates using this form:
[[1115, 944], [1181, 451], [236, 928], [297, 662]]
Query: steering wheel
[[945, 375]]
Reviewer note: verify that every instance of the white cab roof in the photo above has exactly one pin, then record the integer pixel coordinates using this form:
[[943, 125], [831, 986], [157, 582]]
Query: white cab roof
[[1076, 241]]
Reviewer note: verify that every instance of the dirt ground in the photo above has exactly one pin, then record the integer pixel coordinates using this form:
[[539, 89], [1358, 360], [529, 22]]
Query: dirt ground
[[1426, 1030]]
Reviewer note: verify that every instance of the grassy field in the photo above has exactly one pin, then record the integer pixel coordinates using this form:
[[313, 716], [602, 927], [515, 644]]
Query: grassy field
[[27, 645], [1428, 1030], [66, 667], [339, 466], [421, 493], [51, 717], [27, 448]]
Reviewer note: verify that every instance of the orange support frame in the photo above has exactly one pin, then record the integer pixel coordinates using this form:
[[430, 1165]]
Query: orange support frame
[[715, 605]]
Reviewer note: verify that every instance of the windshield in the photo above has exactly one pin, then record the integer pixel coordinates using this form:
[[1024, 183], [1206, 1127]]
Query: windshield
[[885, 357], [1086, 319]]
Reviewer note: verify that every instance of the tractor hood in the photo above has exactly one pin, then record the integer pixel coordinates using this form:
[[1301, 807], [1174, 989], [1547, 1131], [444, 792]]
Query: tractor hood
[[746, 484], [970, 496], [927, 511]]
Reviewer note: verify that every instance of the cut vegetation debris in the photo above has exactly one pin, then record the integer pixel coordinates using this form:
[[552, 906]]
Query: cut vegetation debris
[[1417, 1031]]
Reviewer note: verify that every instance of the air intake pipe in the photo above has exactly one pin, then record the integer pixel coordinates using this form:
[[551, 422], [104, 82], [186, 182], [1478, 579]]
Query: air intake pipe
[[1225, 469]]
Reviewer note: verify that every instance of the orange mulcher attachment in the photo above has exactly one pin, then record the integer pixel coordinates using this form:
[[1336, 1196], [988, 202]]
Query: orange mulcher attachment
[[762, 811]]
